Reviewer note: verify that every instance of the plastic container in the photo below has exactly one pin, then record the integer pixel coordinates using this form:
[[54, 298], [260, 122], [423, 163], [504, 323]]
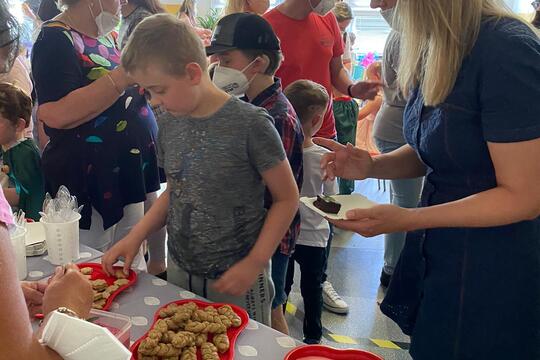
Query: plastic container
[[321, 352], [18, 241], [62, 241], [119, 325]]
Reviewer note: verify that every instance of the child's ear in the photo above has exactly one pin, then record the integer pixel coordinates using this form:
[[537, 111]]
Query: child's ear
[[21, 125], [262, 64], [194, 73]]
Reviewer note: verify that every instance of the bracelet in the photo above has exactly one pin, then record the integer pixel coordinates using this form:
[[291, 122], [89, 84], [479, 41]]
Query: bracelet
[[67, 311], [114, 84], [349, 90]]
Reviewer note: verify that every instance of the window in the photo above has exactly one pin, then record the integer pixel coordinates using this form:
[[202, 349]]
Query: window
[[520, 6], [370, 28]]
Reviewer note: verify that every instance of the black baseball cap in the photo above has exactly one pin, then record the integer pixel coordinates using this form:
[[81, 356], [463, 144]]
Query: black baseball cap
[[242, 31]]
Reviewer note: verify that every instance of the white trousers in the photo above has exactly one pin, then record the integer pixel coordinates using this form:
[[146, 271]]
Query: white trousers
[[102, 240]]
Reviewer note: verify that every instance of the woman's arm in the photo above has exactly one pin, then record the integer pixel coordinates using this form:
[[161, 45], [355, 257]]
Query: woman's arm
[[372, 106], [11, 196], [352, 163], [76, 108], [16, 337], [280, 182], [515, 198]]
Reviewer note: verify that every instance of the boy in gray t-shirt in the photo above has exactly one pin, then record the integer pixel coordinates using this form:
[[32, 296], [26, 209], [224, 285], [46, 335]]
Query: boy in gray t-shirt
[[218, 153]]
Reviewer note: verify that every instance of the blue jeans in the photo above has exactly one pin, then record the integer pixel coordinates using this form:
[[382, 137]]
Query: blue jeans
[[280, 262], [404, 193]]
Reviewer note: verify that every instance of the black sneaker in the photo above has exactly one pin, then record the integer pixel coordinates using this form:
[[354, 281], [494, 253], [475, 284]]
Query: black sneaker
[[385, 279]]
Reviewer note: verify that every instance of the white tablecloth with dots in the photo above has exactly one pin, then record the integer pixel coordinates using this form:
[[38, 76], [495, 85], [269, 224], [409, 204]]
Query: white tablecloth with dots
[[141, 301], [38, 267]]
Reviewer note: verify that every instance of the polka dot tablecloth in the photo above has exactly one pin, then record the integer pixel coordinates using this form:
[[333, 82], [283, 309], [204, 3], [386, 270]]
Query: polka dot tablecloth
[[141, 301], [39, 268]]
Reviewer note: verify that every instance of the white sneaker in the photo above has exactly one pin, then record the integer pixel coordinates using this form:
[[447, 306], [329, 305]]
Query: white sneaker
[[332, 301]]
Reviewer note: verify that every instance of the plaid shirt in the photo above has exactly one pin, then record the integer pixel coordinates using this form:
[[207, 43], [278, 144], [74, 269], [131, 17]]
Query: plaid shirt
[[290, 130]]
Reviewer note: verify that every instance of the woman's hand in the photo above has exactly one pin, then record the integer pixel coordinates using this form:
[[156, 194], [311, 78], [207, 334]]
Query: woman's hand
[[381, 219], [68, 288], [33, 295], [347, 162]]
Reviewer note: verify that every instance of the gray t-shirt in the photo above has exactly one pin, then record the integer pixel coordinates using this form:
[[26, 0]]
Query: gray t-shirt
[[213, 167], [388, 124]]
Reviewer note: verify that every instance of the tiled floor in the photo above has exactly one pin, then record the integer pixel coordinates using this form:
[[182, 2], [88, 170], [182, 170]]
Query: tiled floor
[[354, 269]]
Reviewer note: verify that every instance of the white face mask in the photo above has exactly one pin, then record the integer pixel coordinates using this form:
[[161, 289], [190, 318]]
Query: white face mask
[[389, 15], [324, 7], [105, 21], [232, 81]]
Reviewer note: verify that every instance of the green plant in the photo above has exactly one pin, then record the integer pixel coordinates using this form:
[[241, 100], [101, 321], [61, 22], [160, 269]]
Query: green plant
[[209, 20]]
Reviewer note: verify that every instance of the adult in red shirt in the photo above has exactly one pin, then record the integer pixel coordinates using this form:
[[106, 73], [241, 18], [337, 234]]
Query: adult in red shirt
[[312, 46]]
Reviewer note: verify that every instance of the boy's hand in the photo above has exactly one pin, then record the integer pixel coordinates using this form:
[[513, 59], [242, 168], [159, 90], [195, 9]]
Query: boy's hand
[[127, 248], [239, 278]]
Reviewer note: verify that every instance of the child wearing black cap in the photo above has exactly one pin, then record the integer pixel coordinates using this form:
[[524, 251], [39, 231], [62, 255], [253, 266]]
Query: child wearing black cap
[[218, 153], [249, 55]]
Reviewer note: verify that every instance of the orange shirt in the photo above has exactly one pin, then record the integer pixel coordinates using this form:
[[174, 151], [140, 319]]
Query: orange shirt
[[308, 46]]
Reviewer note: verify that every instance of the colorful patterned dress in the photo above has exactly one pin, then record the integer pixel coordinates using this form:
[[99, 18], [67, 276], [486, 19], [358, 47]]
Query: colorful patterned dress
[[110, 161]]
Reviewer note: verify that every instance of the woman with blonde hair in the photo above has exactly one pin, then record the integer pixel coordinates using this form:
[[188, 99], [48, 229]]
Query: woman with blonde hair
[[258, 7], [466, 285]]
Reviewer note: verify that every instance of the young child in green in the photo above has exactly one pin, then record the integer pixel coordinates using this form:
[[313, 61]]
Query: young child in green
[[20, 156]]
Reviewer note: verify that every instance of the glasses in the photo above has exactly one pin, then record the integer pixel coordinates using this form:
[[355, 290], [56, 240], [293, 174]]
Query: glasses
[[536, 5]]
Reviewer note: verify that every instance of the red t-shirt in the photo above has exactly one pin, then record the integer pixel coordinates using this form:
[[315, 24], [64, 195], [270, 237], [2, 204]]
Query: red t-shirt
[[308, 46]]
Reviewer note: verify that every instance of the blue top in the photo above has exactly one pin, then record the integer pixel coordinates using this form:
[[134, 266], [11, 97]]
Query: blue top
[[107, 162], [473, 293]]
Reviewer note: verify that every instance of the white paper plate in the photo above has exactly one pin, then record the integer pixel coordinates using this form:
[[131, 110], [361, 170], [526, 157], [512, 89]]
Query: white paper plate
[[35, 234], [348, 202]]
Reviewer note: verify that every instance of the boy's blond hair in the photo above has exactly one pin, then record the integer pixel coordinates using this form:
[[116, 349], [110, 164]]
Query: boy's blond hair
[[305, 96], [165, 40]]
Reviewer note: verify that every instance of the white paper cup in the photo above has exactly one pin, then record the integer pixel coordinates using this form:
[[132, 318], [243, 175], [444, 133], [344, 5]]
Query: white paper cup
[[18, 241], [62, 241]]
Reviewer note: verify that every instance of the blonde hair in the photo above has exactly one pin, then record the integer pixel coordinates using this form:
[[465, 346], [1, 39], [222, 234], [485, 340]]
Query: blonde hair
[[305, 96], [343, 11], [234, 7], [375, 68], [436, 36], [166, 40]]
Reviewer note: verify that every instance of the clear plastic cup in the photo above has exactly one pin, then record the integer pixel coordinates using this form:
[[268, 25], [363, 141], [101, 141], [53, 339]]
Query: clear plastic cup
[[18, 240], [62, 241]]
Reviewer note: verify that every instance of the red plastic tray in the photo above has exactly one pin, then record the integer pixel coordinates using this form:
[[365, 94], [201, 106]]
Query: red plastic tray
[[98, 273], [321, 352], [232, 333]]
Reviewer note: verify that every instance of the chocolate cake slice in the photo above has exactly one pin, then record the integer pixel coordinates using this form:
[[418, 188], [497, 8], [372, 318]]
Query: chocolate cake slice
[[327, 204]]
